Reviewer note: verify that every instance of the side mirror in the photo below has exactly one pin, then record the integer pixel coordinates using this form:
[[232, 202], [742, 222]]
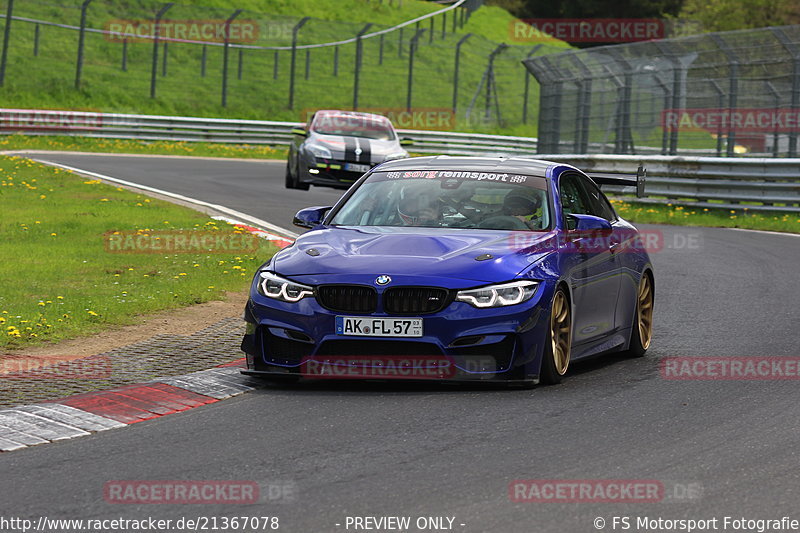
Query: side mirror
[[310, 216], [299, 131], [588, 224], [405, 141]]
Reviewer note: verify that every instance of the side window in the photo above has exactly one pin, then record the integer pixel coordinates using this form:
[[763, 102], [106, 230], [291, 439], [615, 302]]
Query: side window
[[572, 197], [598, 203]]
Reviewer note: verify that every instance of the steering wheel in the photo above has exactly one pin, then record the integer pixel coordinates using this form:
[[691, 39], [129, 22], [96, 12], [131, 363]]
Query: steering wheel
[[503, 222]]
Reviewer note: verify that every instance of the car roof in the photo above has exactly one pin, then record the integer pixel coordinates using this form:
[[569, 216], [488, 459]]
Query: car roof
[[350, 113], [517, 165]]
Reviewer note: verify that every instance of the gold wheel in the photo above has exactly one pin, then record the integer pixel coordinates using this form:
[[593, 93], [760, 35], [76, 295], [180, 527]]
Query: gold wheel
[[561, 332], [644, 311]]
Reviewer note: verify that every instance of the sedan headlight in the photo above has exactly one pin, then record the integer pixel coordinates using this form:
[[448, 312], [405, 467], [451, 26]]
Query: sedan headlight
[[396, 155], [511, 293], [272, 285], [319, 151]]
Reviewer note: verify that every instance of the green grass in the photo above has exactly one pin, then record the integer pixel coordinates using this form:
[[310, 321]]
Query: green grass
[[680, 215], [60, 281], [47, 80], [123, 146]]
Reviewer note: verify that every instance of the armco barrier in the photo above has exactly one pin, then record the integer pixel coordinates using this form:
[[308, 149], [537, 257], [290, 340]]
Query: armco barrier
[[756, 183]]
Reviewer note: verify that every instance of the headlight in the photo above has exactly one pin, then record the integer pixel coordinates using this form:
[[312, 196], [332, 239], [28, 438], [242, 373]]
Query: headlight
[[396, 155], [273, 286], [500, 295], [319, 151]]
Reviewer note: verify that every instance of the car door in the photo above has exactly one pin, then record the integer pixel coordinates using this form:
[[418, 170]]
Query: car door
[[594, 274]]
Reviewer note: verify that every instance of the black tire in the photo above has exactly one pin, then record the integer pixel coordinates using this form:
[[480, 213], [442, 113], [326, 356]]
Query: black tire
[[552, 372], [292, 181], [638, 347]]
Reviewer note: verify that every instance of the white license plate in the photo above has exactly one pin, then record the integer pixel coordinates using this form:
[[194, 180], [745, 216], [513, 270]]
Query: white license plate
[[378, 327], [355, 167]]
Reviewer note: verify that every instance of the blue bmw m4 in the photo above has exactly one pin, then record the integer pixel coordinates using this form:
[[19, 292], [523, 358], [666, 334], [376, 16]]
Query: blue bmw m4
[[454, 268]]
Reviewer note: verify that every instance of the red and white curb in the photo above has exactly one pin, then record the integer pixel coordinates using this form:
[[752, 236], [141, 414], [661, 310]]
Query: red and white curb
[[92, 412]]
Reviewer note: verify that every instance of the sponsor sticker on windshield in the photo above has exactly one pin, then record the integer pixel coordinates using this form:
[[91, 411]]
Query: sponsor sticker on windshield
[[502, 177]]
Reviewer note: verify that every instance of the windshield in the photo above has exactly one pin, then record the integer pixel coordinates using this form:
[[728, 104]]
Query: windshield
[[448, 199], [367, 126]]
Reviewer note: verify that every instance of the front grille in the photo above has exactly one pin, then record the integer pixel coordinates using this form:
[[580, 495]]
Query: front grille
[[415, 300], [348, 298], [378, 347]]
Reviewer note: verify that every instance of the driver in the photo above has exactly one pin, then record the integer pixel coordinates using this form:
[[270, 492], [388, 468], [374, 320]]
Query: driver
[[525, 205], [416, 208]]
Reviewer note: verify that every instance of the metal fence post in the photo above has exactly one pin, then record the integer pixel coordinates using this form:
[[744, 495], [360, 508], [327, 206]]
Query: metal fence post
[[776, 107], [203, 61], [164, 59], [733, 89], [380, 50], [720, 104], [584, 109], [400, 43], [433, 30], [455, 72], [6, 35], [357, 72], [677, 75], [794, 51], [225, 47], [81, 39], [36, 40], [154, 65], [308, 63], [664, 128], [275, 66], [294, 59], [527, 85], [125, 55], [444, 25], [412, 48], [239, 68], [490, 82], [336, 60]]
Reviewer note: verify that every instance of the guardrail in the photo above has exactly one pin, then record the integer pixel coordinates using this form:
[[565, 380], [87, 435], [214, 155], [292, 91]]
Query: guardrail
[[756, 183], [759, 184], [218, 130]]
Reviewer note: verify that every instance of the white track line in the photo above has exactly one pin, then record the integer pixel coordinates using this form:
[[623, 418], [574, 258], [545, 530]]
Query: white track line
[[222, 209]]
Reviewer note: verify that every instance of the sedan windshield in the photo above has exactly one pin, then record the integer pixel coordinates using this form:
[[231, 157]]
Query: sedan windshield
[[367, 126], [448, 199]]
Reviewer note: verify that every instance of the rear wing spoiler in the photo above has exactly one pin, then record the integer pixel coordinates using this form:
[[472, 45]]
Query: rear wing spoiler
[[623, 180]]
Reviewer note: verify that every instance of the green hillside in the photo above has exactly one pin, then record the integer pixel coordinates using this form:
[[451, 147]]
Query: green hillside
[[47, 79]]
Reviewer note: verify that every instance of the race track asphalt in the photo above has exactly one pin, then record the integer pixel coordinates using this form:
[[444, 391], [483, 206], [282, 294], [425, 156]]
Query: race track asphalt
[[720, 448]]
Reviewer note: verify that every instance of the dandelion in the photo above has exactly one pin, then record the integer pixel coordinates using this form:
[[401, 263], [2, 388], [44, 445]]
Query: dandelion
[[53, 234], [92, 313]]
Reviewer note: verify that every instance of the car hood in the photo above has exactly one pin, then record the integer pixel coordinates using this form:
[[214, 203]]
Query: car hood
[[352, 254], [345, 147]]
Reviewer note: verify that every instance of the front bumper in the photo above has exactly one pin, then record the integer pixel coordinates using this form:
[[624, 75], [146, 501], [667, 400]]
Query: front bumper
[[459, 343], [330, 173]]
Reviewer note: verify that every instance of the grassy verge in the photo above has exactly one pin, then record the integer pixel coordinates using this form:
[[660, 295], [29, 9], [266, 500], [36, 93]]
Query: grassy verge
[[709, 217], [189, 80], [61, 278], [123, 146]]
